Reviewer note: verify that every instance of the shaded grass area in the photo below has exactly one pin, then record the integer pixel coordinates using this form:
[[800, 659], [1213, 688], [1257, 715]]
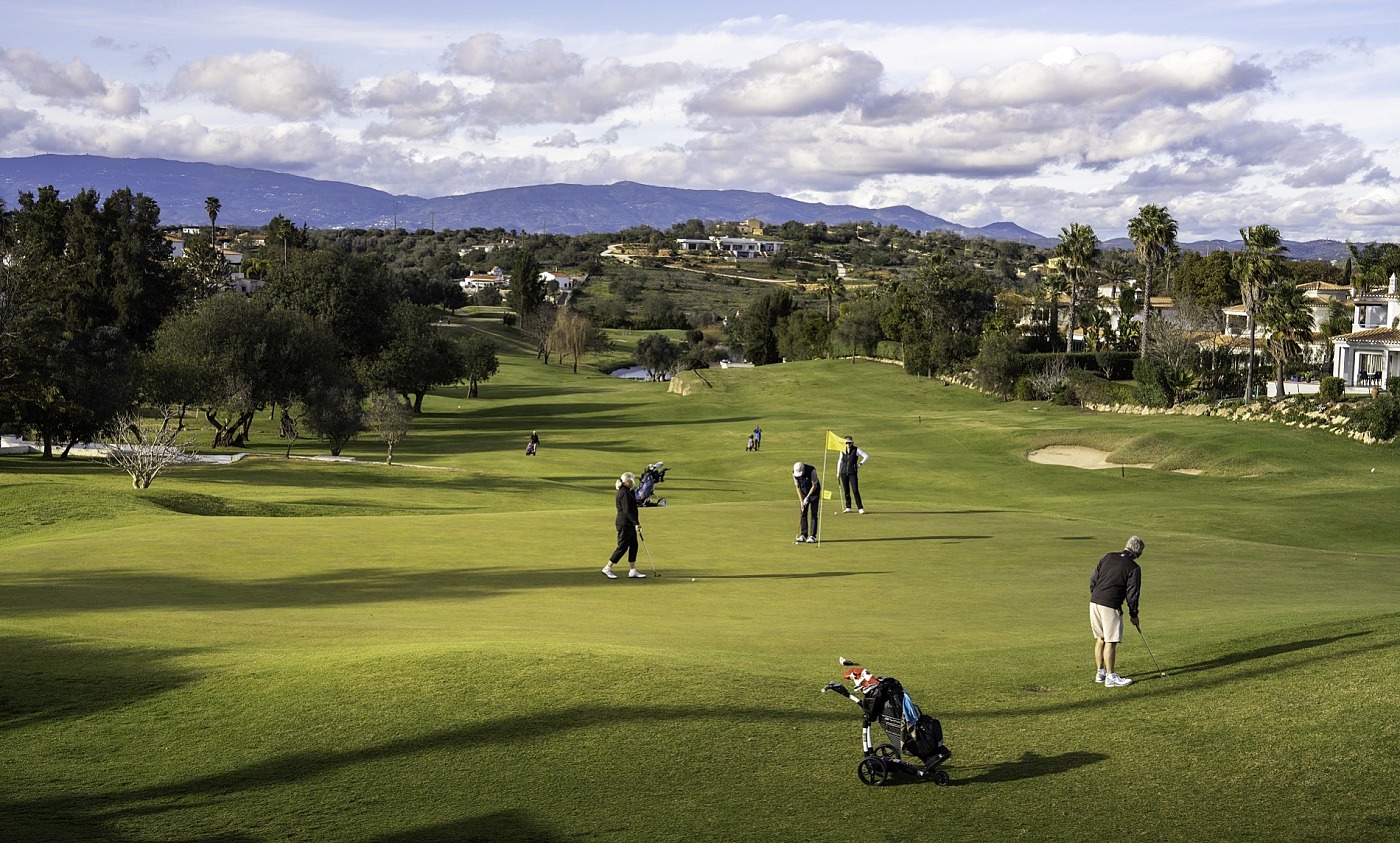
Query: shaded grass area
[[277, 650]]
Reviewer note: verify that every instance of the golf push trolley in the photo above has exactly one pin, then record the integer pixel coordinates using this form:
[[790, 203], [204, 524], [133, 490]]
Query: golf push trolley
[[909, 731]]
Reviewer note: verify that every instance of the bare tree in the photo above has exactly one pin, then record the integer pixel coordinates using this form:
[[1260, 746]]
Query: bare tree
[[390, 419], [144, 448]]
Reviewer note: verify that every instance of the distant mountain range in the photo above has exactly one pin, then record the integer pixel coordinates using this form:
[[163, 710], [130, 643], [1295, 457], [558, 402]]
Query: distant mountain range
[[250, 197]]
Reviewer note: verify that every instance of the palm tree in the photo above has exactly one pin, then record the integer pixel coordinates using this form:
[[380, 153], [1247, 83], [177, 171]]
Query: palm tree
[[1053, 285], [1259, 266], [832, 287], [1285, 312], [1153, 231], [1079, 254], [212, 206]]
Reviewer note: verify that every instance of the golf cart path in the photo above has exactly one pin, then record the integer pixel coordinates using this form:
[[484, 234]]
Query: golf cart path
[[1078, 456]]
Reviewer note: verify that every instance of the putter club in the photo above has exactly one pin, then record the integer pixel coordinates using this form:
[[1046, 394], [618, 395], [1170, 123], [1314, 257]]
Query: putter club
[[1160, 672], [648, 550]]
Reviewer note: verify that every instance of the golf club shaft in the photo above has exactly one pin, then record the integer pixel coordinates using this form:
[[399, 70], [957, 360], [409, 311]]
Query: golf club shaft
[[647, 548], [1149, 649]]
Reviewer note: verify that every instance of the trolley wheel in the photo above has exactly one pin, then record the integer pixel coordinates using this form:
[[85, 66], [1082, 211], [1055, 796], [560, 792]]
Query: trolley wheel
[[884, 750], [940, 778], [873, 771]]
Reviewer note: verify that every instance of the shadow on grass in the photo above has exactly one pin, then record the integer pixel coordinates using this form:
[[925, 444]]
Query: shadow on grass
[[500, 827], [804, 575], [905, 539], [89, 816], [1246, 664], [1032, 765], [1261, 653], [48, 679]]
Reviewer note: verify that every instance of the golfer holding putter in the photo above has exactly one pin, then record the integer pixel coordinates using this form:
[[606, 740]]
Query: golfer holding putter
[[628, 527], [1116, 578], [809, 500]]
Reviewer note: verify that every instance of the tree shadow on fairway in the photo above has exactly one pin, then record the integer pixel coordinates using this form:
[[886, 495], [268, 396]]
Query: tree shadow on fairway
[[1031, 765], [91, 816], [803, 575], [884, 513], [501, 827], [1261, 653], [905, 539], [49, 679]]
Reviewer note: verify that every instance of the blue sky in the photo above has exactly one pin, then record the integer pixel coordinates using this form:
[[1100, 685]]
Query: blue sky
[[1229, 113]]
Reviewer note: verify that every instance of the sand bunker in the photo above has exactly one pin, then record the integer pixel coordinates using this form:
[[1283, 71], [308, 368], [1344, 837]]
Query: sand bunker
[[1077, 456]]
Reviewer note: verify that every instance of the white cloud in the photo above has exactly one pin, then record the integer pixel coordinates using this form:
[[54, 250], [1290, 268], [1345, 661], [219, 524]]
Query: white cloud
[[564, 140], [800, 79], [485, 55], [291, 86], [74, 84]]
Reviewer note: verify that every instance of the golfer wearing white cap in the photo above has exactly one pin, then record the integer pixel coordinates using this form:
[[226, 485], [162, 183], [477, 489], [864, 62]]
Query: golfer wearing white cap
[[809, 500]]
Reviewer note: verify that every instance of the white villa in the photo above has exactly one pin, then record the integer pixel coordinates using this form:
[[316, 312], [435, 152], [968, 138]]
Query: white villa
[[734, 247], [494, 280], [1370, 354]]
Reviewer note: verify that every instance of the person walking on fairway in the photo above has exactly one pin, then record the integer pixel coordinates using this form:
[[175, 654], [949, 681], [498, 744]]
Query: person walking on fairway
[[847, 466], [1117, 578], [628, 528], [757, 437], [533, 444], [809, 500]]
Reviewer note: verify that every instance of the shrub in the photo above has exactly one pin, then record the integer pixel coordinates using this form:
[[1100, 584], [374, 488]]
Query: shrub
[[1392, 384], [1332, 388], [1084, 387], [1150, 387], [1023, 391], [509, 319], [998, 364], [1383, 416]]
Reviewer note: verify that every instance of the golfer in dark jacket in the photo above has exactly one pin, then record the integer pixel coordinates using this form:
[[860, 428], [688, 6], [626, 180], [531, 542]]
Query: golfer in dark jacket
[[848, 468], [809, 500], [628, 528], [1117, 579]]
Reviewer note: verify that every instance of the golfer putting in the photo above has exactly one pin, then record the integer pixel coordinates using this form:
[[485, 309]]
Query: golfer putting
[[1116, 579]]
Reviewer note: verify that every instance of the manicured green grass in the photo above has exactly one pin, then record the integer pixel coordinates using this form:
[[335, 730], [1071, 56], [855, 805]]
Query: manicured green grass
[[293, 650]]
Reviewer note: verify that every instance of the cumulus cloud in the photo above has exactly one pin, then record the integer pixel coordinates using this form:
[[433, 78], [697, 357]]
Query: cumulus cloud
[[581, 99], [13, 118], [800, 79], [564, 140], [485, 55], [407, 95], [291, 86], [74, 84]]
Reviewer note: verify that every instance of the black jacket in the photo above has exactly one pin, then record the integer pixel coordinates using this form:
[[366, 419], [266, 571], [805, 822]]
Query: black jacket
[[1116, 578], [626, 507]]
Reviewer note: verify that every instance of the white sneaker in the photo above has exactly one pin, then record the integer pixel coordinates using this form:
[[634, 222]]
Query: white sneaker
[[862, 512], [802, 538], [636, 575], [1113, 680], [811, 540], [1098, 677], [607, 572], [847, 509]]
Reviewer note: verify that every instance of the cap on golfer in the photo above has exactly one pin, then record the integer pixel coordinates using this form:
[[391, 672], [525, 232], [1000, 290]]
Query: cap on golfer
[[1134, 546], [797, 469]]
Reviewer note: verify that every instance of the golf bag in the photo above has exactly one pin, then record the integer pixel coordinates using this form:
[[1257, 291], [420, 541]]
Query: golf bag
[[655, 473], [909, 731], [530, 448]]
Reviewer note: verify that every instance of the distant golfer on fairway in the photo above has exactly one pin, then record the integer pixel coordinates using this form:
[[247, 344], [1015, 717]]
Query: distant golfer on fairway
[[809, 500], [1116, 578], [627, 528]]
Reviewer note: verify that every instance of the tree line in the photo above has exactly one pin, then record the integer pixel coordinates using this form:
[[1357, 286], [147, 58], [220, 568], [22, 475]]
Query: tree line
[[97, 320]]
